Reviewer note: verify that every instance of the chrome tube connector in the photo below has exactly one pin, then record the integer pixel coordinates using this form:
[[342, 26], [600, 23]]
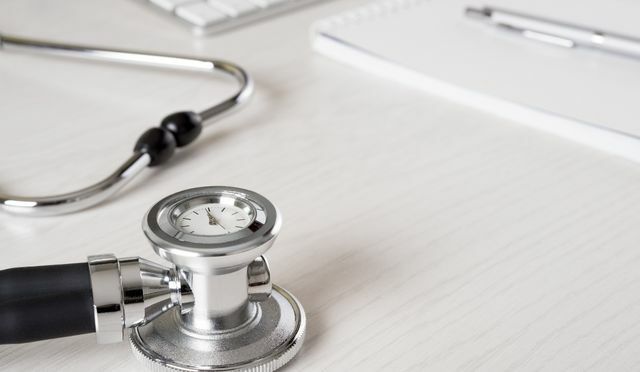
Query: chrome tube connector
[[132, 291]]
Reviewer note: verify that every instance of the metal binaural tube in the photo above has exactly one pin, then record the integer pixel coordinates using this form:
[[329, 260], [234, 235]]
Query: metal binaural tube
[[97, 193], [80, 199], [234, 102], [241, 96]]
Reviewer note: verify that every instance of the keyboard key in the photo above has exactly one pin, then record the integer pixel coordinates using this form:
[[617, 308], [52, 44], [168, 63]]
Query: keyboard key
[[268, 3], [200, 14], [213, 16], [170, 5], [234, 8]]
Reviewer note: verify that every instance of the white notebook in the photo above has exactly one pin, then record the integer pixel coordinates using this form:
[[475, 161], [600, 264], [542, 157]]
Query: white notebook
[[581, 94]]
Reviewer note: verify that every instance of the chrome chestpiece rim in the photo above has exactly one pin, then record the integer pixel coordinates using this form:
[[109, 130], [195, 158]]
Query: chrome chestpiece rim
[[215, 237], [169, 239]]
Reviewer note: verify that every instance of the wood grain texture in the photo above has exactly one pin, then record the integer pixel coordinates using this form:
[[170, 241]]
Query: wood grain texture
[[418, 234]]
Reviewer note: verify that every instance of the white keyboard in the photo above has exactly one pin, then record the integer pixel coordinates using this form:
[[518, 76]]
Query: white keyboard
[[211, 16]]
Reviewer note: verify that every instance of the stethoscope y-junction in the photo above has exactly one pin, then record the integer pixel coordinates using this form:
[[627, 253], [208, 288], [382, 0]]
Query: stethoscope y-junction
[[154, 147]]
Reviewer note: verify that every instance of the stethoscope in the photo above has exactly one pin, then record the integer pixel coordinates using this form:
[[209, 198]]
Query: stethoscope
[[154, 147], [214, 308]]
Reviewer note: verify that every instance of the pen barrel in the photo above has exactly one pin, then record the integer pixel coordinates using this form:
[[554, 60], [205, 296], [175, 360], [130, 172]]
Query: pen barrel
[[574, 34], [618, 44], [577, 34]]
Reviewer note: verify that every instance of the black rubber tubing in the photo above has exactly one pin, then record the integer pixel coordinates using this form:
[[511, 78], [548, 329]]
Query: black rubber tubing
[[43, 302]]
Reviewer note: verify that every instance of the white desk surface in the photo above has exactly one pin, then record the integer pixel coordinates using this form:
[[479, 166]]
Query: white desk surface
[[418, 234]]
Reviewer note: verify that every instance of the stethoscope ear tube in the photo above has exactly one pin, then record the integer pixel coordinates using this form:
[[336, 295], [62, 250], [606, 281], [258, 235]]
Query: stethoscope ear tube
[[43, 302], [154, 147], [42, 318]]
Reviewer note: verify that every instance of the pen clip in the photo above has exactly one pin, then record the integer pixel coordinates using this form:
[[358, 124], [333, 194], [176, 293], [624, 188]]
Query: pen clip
[[549, 39], [539, 36]]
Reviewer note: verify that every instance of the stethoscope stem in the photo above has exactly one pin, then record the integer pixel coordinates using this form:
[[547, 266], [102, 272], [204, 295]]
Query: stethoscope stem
[[154, 147], [105, 295]]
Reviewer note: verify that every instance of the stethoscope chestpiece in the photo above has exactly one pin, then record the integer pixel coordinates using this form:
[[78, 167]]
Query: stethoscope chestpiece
[[238, 320]]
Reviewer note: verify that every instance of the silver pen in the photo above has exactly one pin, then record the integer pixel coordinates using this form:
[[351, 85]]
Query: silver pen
[[557, 33]]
